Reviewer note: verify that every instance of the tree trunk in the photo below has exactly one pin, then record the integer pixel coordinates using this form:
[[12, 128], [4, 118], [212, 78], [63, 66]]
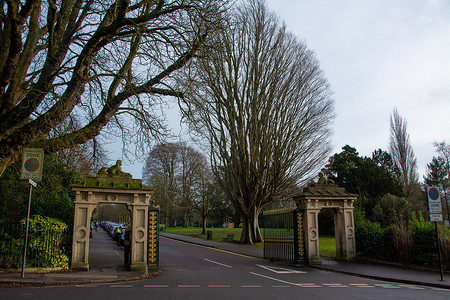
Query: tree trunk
[[186, 218], [204, 224], [250, 227]]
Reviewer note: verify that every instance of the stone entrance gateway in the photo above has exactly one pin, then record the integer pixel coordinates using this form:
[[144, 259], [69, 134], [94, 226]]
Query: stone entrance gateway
[[111, 186], [325, 194]]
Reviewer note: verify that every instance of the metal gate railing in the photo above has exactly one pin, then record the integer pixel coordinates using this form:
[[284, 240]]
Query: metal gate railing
[[283, 235]]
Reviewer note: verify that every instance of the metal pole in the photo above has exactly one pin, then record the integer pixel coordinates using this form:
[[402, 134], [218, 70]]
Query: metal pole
[[439, 251], [26, 233]]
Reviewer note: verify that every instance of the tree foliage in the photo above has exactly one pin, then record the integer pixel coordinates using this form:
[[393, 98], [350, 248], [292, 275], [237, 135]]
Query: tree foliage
[[263, 105], [97, 62], [363, 176], [52, 198], [370, 178]]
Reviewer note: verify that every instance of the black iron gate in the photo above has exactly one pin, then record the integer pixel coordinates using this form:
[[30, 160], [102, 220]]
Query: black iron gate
[[283, 235]]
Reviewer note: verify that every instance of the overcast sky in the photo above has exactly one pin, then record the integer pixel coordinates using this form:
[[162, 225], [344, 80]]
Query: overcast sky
[[377, 55]]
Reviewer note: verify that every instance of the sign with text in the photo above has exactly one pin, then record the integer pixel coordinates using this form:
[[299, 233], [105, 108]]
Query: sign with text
[[434, 200], [32, 164], [434, 204], [436, 218]]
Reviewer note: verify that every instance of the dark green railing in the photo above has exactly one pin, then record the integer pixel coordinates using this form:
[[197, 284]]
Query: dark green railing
[[283, 235]]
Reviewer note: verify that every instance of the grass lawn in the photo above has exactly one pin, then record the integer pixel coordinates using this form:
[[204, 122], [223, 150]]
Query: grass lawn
[[327, 246]]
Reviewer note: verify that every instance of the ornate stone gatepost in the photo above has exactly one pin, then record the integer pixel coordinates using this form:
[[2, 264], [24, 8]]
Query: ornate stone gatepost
[[111, 186], [325, 194]]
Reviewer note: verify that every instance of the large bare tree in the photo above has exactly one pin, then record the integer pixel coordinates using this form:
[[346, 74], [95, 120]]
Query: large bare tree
[[93, 60], [261, 102]]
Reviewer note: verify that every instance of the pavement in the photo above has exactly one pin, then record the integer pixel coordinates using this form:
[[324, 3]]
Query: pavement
[[106, 266]]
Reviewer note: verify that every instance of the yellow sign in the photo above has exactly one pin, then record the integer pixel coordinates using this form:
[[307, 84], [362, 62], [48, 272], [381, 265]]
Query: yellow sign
[[32, 164]]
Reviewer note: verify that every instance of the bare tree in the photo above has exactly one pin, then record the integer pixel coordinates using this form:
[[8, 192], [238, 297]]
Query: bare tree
[[263, 105], [176, 170], [208, 196], [402, 152], [102, 61], [192, 164], [160, 173]]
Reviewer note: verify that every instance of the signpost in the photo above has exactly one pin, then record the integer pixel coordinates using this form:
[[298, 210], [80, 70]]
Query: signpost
[[32, 165], [435, 209]]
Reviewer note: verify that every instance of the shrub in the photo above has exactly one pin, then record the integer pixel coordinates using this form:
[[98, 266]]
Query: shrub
[[424, 240], [368, 238], [45, 240]]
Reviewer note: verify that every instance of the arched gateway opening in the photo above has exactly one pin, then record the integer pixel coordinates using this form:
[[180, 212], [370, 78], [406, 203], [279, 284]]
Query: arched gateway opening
[[325, 194], [112, 186]]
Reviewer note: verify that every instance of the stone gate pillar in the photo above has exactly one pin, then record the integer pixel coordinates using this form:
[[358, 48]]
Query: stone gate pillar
[[325, 194], [111, 186], [311, 227]]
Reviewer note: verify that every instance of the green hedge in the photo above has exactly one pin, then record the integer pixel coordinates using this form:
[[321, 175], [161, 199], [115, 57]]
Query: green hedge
[[45, 240], [368, 238], [423, 233], [414, 244]]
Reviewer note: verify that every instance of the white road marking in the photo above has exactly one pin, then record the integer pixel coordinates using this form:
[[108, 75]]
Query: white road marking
[[251, 286], [308, 285], [188, 285], [387, 286], [279, 270], [86, 286], [218, 263], [156, 286], [286, 282], [271, 278], [219, 286], [334, 285], [440, 289], [121, 285], [118, 254]]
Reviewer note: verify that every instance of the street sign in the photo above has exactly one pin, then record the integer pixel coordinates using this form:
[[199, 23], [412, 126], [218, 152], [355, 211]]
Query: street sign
[[436, 218], [435, 209], [434, 200], [32, 164], [32, 182]]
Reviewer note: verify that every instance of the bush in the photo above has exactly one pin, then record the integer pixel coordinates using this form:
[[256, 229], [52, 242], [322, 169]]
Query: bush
[[368, 238], [45, 240], [391, 241], [11, 247], [424, 240]]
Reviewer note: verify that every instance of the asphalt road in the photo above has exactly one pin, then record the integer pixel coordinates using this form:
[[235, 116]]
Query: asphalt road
[[196, 272]]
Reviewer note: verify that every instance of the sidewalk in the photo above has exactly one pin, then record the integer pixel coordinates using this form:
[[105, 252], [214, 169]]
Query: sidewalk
[[106, 265], [107, 260]]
